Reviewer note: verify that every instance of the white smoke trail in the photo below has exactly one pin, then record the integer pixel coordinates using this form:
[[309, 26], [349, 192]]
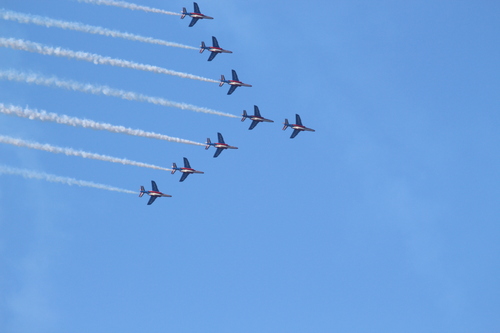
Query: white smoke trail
[[72, 152], [48, 22], [19, 44], [29, 174], [88, 88], [86, 123], [128, 5]]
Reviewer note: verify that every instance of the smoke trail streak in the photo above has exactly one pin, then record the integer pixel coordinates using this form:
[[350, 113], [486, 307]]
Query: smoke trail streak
[[72, 152], [88, 88], [127, 5], [86, 123], [29, 174], [19, 44], [48, 22]]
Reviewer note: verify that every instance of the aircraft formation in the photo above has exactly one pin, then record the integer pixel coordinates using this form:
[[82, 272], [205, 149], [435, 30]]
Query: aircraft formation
[[234, 83], [220, 145]]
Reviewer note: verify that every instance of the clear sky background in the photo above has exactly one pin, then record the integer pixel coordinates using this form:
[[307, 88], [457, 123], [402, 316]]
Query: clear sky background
[[386, 219]]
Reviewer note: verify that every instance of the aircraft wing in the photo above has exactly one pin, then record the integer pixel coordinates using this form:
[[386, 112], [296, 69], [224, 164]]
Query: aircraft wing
[[153, 185], [256, 111], [193, 21], [220, 138], [196, 8], [218, 151], [232, 89], [214, 42], [294, 134], [212, 56], [253, 124], [235, 76], [184, 176], [297, 120], [151, 200], [186, 163]]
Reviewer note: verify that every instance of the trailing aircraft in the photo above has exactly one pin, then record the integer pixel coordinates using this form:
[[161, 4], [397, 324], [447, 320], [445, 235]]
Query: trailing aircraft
[[196, 15], [215, 49], [297, 128], [234, 83], [186, 170], [256, 117], [221, 145], [153, 194]]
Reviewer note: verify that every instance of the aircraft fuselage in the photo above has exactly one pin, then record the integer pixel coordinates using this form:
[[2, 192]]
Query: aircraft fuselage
[[157, 194], [189, 170], [199, 16], [217, 49], [224, 146], [301, 128], [237, 83], [257, 118]]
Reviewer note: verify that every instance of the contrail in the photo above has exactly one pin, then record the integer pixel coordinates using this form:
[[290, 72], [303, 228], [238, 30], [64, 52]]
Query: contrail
[[127, 5], [29, 174], [19, 44], [48, 22], [73, 152], [86, 123], [13, 75]]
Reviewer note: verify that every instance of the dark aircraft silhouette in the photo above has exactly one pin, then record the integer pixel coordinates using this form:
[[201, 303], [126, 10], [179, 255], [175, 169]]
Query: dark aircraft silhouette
[[256, 117], [153, 194], [215, 49], [221, 145], [297, 128], [196, 15], [234, 83], [186, 170]]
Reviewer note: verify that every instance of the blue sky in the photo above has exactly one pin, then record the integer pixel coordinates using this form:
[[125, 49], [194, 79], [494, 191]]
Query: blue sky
[[383, 220]]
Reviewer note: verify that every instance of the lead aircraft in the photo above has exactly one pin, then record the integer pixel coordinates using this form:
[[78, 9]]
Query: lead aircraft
[[196, 15], [153, 194], [221, 145], [215, 49], [297, 128], [234, 83], [256, 117], [186, 171]]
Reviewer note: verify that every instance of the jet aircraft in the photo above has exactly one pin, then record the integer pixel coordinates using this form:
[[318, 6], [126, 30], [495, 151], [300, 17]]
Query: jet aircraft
[[234, 83], [195, 16], [256, 117], [221, 145], [215, 49], [153, 194], [186, 170], [297, 128]]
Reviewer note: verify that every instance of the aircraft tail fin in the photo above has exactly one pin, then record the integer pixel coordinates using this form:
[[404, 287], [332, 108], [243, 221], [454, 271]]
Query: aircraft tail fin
[[222, 79], [174, 168], [244, 115], [202, 47], [142, 191], [184, 12], [286, 124], [208, 143]]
